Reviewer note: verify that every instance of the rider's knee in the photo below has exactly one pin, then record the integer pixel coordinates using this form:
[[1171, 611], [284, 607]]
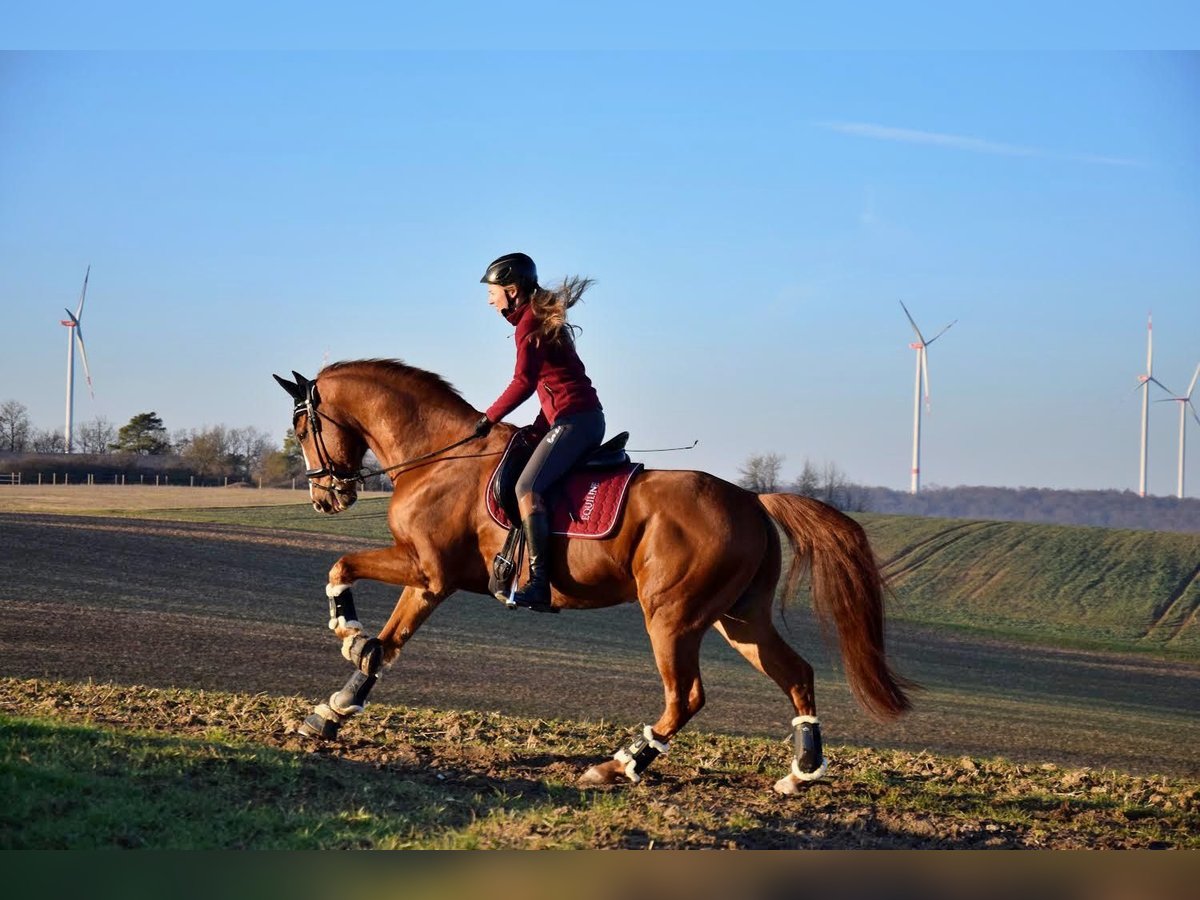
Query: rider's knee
[[529, 501]]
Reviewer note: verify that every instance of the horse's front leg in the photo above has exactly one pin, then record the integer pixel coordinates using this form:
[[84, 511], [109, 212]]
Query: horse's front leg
[[391, 565], [367, 654], [413, 608]]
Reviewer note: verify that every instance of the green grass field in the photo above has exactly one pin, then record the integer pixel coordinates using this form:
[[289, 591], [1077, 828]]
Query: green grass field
[[1064, 584]]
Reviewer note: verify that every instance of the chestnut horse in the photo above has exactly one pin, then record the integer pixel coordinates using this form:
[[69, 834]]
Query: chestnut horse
[[695, 551]]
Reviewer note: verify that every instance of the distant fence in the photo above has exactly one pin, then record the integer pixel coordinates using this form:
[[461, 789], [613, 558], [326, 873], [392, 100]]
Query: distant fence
[[141, 480]]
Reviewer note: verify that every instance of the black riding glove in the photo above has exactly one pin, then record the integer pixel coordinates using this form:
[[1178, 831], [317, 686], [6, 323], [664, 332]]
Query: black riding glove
[[482, 427]]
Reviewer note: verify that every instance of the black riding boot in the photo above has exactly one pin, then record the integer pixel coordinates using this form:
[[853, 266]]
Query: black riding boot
[[536, 593]]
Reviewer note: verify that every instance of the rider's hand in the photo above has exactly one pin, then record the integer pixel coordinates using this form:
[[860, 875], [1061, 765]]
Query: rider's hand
[[482, 427]]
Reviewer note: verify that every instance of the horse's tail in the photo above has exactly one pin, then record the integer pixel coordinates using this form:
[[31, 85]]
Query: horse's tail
[[848, 588]]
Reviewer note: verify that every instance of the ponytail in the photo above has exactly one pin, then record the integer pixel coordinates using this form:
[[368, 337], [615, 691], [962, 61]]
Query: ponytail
[[550, 307]]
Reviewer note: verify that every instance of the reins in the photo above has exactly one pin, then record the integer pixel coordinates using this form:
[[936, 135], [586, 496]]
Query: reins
[[342, 478], [371, 473], [339, 479]]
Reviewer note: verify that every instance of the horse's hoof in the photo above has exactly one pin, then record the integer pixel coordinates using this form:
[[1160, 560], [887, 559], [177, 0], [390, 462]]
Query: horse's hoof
[[789, 785], [605, 773], [316, 726]]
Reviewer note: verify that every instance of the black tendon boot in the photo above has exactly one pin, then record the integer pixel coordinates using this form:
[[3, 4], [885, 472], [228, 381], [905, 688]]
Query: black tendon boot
[[536, 593]]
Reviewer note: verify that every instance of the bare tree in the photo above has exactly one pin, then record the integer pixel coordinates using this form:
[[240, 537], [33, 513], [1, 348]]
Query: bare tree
[[14, 426], [96, 435], [207, 451], [249, 448], [761, 473], [809, 482], [827, 484], [48, 442], [286, 463], [833, 485]]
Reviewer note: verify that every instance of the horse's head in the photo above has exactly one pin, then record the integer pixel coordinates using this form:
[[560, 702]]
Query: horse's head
[[333, 452]]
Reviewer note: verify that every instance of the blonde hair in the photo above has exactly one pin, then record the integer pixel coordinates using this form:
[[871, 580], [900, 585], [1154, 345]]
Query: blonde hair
[[550, 307]]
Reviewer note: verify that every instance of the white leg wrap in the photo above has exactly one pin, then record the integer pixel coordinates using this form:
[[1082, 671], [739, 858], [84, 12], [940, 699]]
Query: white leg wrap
[[660, 746], [340, 623], [347, 643], [823, 768], [627, 760], [810, 776], [343, 711], [622, 756], [330, 715]]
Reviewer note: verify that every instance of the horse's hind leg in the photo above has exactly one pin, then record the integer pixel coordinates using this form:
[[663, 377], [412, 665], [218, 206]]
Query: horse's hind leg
[[678, 659], [750, 631]]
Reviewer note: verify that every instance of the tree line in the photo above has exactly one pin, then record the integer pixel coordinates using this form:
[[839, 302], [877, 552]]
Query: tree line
[[217, 451], [762, 473]]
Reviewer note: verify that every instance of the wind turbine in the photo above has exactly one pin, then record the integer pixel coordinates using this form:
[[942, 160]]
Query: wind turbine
[[920, 346], [75, 333], [1184, 402], [1144, 385]]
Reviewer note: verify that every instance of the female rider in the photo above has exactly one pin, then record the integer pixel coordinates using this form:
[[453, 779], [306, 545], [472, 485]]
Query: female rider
[[571, 415]]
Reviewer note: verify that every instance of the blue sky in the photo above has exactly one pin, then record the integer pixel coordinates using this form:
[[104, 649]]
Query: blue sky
[[752, 219]]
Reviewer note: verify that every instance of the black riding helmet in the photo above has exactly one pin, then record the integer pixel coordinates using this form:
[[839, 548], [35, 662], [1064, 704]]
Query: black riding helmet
[[512, 268]]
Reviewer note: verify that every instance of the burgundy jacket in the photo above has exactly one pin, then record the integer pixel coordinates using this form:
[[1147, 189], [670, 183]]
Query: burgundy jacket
[[552, 368]]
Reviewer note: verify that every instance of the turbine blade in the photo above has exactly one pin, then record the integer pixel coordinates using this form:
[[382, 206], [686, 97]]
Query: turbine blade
[[912, 323], [1192, 386], [83, 293], [1150, 379], [83, 353], [1149, 343], [940, 333], [1194, 414]]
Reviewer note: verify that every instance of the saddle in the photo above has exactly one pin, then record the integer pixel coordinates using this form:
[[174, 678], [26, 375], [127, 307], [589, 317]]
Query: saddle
[[586, 502]]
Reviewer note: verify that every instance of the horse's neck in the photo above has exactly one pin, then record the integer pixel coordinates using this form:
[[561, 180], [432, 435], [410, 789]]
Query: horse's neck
[[398, 425]]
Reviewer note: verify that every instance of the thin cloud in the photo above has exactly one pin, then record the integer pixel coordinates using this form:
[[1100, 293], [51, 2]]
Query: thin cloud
[[962, 142]]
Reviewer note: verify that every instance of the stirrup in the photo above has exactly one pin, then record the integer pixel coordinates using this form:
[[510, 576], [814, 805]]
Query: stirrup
[[517, 600]]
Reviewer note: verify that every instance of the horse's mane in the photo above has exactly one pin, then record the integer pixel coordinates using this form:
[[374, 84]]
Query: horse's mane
[[402, 373]]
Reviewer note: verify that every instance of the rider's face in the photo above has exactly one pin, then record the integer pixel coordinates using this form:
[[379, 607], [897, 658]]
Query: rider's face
[[498, 296]]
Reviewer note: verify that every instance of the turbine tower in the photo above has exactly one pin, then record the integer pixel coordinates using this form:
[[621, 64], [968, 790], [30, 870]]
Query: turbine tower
[[1184, 402], [1145, 388], [920, 345], [75, 333]]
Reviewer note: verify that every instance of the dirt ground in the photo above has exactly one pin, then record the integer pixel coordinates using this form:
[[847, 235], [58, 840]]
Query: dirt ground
[[242, 609], [405, 777], [90, 599]]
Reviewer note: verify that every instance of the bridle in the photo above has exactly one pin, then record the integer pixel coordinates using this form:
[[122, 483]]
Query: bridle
[[342, 479]]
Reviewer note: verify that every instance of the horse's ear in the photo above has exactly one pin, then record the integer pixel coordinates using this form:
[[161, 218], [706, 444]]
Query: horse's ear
[[294, 390], [301, 381]]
